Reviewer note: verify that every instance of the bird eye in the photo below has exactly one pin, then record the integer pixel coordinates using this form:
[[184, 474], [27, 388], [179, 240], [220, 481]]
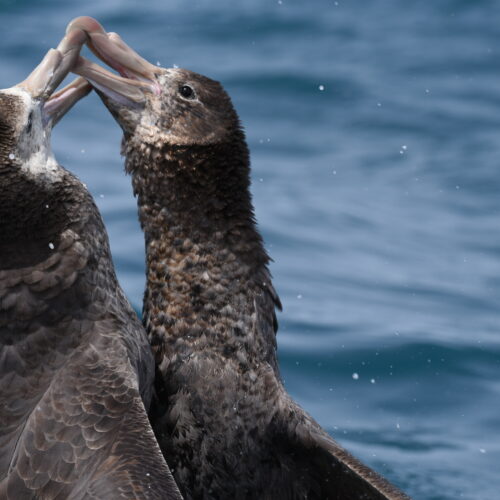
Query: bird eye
[[186, 91], [30, 122]]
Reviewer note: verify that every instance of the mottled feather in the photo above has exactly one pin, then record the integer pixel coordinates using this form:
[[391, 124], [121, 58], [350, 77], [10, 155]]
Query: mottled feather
[[222, 417], [76, 370]]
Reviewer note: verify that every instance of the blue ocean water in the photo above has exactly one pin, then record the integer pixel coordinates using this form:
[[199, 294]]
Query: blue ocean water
[[374, 128]]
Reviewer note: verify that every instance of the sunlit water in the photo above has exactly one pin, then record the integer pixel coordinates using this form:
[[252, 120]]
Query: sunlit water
[[375, 136]]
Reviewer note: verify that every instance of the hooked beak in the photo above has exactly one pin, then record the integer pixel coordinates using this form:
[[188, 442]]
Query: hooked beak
[[137, 76], [54, 67]]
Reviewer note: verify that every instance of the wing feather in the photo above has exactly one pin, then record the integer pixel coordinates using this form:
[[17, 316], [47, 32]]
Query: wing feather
[[319, 468], [89, 436]]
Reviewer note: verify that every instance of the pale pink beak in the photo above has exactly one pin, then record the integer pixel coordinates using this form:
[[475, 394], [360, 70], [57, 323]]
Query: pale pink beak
[[137, 76], [46, 77]]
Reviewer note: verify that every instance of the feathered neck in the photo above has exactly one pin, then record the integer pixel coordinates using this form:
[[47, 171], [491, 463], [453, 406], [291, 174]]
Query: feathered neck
[[206, 264]]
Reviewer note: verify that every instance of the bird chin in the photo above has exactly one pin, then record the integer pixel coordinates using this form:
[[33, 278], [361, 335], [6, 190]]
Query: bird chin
[[126, 113]]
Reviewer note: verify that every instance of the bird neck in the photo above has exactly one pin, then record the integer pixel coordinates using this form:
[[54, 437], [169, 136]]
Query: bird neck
[[206, 265], [33, 214]]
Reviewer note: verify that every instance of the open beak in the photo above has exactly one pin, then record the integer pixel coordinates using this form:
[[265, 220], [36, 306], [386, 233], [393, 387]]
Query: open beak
[[137, 76], [63, 100], [47, 76]]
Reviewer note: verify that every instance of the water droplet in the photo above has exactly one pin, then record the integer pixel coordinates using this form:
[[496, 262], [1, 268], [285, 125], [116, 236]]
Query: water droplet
[[51, 246], [482, 450], [355, 376], [321, 87], [334, 172], [397, 425], [12, 156], [299, 296], [372, 381]]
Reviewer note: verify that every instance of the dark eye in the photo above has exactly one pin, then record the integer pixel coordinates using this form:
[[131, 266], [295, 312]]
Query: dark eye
[[30, 122], [186, 91]]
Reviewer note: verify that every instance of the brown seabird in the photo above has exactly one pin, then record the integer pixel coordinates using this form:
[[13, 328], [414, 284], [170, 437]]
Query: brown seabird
[[76, 369], [224, 421]]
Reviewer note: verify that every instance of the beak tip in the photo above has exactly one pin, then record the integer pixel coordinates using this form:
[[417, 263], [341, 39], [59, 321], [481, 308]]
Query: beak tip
[[85, 23]]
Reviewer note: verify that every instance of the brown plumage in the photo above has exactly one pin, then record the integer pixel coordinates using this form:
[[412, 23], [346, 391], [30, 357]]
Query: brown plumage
[[223, 419], [75, 365]]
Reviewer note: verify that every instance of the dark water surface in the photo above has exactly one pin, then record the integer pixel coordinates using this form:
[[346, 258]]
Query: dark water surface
[[374, 128]]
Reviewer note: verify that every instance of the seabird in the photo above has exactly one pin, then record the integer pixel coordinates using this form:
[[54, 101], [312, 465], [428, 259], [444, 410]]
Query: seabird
[[222, 417], [76, 369]]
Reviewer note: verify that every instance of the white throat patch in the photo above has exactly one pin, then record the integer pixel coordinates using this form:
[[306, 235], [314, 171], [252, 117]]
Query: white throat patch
[[33, 150]]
